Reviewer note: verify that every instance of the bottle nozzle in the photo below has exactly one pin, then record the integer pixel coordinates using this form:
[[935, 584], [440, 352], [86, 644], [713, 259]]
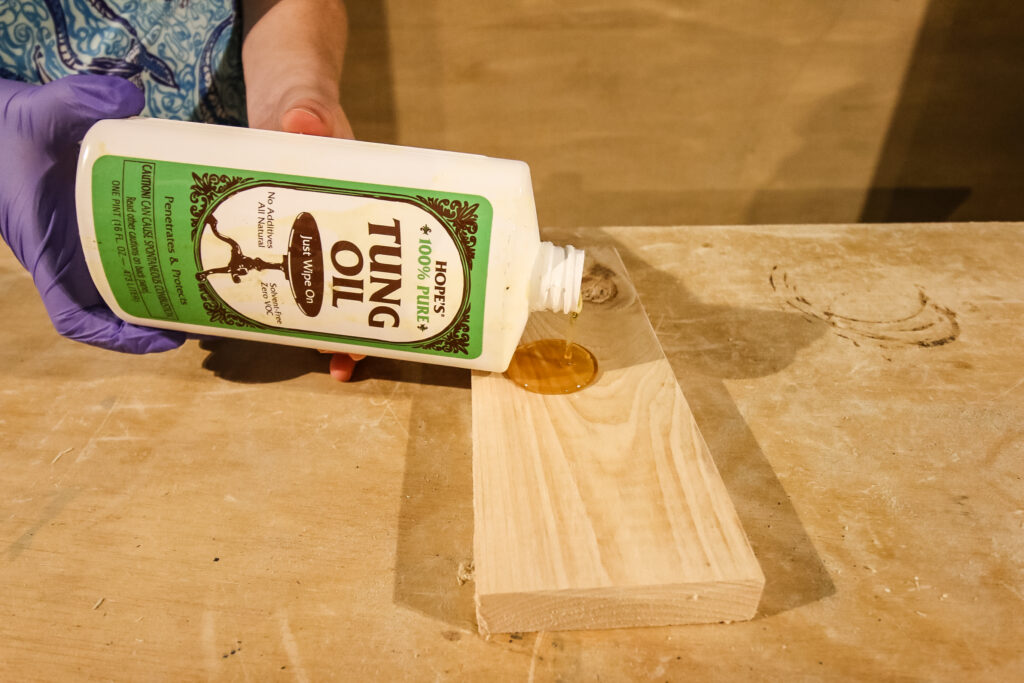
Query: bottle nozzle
[[557, 279]]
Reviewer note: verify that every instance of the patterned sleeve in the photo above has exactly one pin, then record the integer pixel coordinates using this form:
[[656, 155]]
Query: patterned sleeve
[[185, 54]]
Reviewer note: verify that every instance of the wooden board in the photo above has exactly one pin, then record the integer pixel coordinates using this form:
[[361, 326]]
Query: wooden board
[[602, 508], [879, 484]]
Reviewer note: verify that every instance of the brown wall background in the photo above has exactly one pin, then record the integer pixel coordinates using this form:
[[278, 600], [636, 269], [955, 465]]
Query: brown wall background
[[713, 111]]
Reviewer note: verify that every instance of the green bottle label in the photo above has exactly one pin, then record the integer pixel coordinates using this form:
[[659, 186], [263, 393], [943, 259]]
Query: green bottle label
[[326, 260]]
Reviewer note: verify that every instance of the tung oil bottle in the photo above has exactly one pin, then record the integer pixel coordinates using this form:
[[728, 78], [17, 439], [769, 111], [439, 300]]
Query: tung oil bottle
[[340, 245]]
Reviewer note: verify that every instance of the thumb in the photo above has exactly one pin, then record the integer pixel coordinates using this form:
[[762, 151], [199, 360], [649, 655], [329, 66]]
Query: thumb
[[63, 110], [98, 326], [305, 121], [313, 117]]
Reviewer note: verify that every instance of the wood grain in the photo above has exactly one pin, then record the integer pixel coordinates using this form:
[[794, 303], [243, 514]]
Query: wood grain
[[603, 508], [880, 487]]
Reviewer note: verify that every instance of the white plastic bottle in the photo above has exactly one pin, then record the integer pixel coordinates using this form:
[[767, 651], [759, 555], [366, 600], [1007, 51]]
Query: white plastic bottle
[[340, 245]]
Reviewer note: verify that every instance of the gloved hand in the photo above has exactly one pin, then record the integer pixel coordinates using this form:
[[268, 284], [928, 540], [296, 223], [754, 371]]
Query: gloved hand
[[40, 130]]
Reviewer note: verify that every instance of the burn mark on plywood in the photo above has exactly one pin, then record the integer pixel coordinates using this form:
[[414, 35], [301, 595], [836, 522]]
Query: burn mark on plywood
[[235, 650], [929, 324]]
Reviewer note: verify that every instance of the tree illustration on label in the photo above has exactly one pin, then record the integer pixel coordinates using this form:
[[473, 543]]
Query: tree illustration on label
[[334, 263], [301, 265]]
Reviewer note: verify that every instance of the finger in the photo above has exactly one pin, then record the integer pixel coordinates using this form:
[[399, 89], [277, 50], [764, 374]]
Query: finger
[[353, 356], [305, 121], [12, 89], [342, 366], [309, 116], [98, 326], [65, 109]]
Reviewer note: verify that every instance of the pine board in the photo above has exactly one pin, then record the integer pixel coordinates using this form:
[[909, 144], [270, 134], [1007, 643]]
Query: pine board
[[602, 509]]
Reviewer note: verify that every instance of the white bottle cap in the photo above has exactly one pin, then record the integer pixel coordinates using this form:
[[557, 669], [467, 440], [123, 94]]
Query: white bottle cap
[[557, 279]]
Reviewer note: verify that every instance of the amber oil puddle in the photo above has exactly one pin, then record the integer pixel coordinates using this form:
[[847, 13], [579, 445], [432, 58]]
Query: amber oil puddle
[[553, 366]]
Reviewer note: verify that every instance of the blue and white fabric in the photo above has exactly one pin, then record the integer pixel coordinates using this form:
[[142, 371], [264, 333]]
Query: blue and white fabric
[[184, 54]]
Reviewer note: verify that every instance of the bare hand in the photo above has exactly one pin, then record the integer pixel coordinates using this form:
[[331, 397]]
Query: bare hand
[[292, 55]]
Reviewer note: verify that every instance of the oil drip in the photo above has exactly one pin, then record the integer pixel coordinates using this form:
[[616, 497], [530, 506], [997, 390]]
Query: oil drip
[[553, 366]]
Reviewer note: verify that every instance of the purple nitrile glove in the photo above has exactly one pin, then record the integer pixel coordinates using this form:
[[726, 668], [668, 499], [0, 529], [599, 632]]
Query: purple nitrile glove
[[41, 127]]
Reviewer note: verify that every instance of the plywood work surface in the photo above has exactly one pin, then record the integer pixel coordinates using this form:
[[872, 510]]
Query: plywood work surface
[[602, 508], [226, 511]]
